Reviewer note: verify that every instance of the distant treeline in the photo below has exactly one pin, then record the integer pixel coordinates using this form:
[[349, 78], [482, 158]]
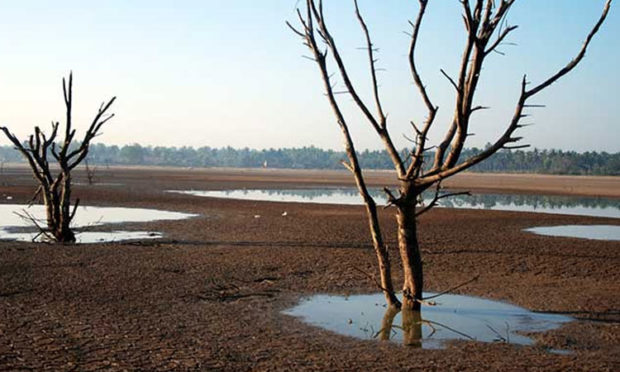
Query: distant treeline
[[534, 161]]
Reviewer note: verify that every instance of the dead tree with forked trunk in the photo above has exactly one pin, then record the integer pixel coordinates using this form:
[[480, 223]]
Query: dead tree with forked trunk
[[55, 189], [485, 30]]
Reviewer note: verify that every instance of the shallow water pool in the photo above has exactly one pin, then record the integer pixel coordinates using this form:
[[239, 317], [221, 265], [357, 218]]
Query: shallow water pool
[[455, 317], [16, 224], [569, 205], [595, 232]]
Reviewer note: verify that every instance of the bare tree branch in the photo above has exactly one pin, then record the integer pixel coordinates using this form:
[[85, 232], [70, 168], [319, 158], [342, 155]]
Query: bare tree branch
[[438, 197], [449, 79], [452, 289], [373, 220], [373, 69], [571, 65], [415, 167], [317, 13], [501, 38]]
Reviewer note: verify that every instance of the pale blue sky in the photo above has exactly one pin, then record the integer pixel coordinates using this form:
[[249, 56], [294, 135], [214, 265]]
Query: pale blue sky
[[229, 72]]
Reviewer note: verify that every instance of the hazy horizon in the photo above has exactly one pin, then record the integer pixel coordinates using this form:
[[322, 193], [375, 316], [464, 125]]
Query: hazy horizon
[[229, 73]]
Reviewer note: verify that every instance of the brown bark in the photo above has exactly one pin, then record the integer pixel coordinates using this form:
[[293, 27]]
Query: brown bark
[[413, 277], [383, 259]]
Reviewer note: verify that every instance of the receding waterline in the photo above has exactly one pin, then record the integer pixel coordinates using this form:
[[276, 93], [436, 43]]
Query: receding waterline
[[594, 232], [16, 222], [455, 317], [85, 237], [568, 205]]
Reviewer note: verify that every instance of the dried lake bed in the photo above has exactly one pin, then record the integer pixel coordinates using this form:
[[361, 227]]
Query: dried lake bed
[[210, 295]]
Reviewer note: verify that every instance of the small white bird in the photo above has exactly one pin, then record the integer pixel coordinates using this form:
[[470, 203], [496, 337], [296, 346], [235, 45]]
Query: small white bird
[[284, 214]]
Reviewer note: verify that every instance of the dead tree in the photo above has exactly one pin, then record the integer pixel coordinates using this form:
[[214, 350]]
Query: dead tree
[[90, 172], [55, 189], [485, 28]]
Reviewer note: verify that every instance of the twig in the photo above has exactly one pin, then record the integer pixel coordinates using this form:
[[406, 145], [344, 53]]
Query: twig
[[42, 231], [391, 199], [450, 329], [499, 336], [453, 288], [450, 79], [35, 196], [438, 197], [433, 329]]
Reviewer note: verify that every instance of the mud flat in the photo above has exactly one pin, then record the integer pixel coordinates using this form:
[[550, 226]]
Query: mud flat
[[602, 186], [210, 293]]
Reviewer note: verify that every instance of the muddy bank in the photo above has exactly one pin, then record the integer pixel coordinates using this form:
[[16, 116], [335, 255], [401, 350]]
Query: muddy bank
[[213, 178]]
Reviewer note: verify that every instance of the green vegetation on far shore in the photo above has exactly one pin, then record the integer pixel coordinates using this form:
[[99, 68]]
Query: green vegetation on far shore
[[534, 161]]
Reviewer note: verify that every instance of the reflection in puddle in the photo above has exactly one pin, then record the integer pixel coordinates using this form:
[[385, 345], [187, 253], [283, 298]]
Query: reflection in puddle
[[14, 227], [347, 196], [89, 216], [455, 317], [570, 205], [595, 232]]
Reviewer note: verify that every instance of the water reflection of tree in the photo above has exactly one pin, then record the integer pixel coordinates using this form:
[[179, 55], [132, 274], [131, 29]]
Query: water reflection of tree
[[411, 327], [312, 194], [533, 201], [486, 201]]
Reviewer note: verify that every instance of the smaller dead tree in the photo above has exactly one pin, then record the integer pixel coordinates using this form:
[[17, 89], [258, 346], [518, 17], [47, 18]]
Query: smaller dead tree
[[90, 172], [2, 171], [55, 189]]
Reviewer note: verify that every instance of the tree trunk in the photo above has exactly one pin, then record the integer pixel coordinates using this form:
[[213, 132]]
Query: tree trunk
[[66, 234], [58, 212], [48, 201], [410, 256], [383, 258]]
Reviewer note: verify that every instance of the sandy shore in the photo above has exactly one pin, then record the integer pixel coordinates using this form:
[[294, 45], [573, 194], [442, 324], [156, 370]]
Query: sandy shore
[[167, 304]]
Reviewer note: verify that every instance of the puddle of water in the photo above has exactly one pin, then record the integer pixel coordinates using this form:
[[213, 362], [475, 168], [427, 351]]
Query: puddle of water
[[89, 216], [595, 232], [10, 222], [569, 205], [455, 317], [320, 196]]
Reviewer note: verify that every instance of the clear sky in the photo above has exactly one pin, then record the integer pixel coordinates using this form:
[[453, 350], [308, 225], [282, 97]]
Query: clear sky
[[229, 72]]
